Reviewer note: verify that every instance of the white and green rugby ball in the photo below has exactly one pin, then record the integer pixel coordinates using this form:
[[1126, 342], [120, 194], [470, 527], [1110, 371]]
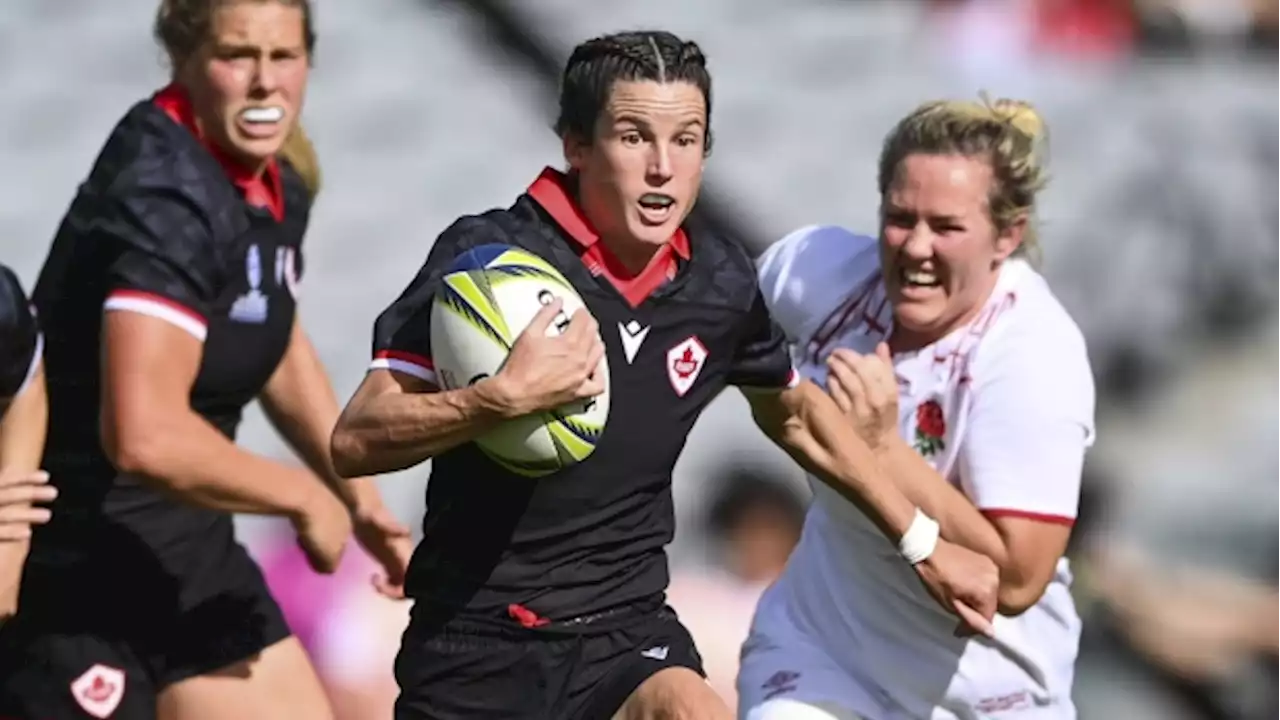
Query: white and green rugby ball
[[486, 299]]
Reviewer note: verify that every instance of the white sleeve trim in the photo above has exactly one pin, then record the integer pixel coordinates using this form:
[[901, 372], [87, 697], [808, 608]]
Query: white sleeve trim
[[34, 367], [159, 308], [404, 366]]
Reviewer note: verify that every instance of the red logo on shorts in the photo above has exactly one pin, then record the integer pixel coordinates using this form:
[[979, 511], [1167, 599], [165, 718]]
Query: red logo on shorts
[[684, 362], [99, 690]]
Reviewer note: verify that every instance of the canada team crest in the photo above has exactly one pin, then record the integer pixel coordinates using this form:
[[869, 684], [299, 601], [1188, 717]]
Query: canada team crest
[[684, 363], [99, 690]]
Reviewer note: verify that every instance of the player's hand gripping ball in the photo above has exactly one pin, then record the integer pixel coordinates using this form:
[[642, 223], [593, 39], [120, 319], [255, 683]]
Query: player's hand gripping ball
[[486, 299]]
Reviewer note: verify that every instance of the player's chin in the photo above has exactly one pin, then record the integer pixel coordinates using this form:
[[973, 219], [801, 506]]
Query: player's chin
[[256, 149], [654, 230], [918, 315]]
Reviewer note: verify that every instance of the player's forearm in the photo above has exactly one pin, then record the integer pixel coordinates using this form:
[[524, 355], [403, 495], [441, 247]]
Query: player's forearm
[[187, 457], [959, 520], [395, 430], [301, 405], [806, 424]]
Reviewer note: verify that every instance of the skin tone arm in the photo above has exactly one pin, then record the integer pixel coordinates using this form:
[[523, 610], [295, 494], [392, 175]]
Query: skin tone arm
[[1026, 550], [149, 429], [808, 425], [22, 435], [395, 421], [301, 405]]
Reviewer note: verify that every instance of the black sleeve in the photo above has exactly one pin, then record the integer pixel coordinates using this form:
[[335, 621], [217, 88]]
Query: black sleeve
[[763, 359], [402, 333], [168, 265], [19, 337]]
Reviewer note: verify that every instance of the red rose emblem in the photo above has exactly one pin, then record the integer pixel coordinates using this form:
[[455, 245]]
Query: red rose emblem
[[929, 419], [931, 428]]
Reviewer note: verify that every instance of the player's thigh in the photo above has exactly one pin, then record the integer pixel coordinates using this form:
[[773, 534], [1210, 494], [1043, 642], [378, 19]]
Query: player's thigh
[[674, 693], [57, 675], [462, 672], [649, 668], [796, 709], [278, 682]]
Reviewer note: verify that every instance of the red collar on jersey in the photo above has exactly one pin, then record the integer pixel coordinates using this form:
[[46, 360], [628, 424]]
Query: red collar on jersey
[[553, 191], [259, 189]]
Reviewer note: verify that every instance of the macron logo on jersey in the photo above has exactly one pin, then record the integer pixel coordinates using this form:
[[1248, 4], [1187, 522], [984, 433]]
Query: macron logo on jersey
[[633, 335]]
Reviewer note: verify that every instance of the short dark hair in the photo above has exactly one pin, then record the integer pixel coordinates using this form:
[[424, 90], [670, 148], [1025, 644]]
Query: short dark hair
[[598, 63], [741, 490]]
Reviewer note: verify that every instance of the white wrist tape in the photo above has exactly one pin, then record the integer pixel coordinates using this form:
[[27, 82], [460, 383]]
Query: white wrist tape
[[920, 539]]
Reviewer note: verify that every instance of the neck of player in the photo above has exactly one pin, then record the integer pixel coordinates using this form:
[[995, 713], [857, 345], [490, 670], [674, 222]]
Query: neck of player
[[634, 255]]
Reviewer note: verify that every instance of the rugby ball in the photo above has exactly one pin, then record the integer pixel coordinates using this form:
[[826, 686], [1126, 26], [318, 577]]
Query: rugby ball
[[487, 297]]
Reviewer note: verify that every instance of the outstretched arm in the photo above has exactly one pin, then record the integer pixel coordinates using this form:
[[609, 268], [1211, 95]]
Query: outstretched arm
[[806, 424]]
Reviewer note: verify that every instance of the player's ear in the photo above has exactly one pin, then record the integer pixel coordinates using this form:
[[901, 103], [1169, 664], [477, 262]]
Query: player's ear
[[575, 150], [1010, 239]]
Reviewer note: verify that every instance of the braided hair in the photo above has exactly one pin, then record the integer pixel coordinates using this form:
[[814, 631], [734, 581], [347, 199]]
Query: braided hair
[[597, 64]]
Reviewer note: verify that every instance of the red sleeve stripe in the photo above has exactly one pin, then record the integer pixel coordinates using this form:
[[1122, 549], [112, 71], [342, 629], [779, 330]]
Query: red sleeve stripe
[[159, 307], [407, 363], [420, 360], [793, 380], [1024, 515]]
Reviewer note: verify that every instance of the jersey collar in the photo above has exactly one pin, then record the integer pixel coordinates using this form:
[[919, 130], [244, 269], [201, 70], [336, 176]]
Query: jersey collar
[[259, 189], [553, 191]]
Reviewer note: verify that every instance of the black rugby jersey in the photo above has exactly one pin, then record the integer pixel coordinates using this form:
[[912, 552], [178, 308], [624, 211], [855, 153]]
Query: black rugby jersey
[[591, 536], [160, 227], [19, 338]]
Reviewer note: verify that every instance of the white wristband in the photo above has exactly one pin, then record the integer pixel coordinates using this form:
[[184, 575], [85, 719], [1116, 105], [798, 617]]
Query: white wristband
[[920, 539]]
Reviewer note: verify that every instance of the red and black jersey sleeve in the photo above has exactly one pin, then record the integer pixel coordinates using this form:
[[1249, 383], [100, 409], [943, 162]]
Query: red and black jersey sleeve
[[168, 265], [763, 358], [402, 333], [19, 337]]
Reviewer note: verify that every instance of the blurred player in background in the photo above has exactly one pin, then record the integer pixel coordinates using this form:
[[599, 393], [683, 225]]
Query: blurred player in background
[[544, 598], [24, 412], [753, 523], [168, 304], [949, 353]]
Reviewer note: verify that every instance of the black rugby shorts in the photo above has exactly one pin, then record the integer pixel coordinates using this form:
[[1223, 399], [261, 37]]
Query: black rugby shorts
[[86, 644], [465, 670]]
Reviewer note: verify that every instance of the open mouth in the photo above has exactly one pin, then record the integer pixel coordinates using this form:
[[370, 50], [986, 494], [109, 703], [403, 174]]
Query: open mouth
[[914, 280], [656, 208]]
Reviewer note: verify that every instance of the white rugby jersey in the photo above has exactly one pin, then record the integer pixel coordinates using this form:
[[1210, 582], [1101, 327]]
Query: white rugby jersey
[[1002, 407]]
